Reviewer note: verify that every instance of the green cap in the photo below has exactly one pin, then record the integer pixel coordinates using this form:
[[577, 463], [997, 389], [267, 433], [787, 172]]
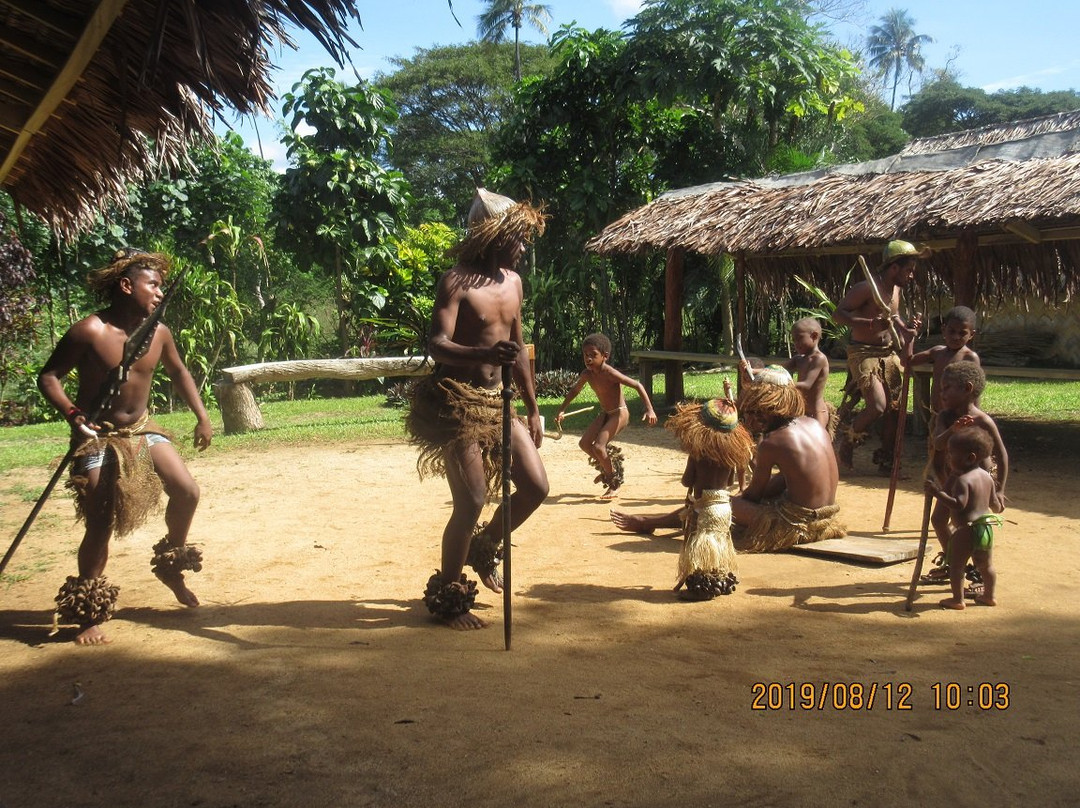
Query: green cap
[[899, 249]]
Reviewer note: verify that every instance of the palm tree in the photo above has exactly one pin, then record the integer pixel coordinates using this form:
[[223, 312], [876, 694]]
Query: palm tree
[[895, 48], [502, 14]]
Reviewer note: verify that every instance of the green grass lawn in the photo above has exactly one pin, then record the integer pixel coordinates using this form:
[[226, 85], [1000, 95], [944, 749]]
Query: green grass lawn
[[365, 418]]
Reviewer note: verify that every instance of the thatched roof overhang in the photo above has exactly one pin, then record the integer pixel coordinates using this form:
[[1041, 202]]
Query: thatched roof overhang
[[1012, 192], [94, 95]]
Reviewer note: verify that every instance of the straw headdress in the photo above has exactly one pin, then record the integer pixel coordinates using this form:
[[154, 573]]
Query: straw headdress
[[494, 220], [711, 431], [772, 396], [124, 260]]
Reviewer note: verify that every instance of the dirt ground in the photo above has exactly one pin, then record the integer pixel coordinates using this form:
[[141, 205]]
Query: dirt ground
[[312, 675]]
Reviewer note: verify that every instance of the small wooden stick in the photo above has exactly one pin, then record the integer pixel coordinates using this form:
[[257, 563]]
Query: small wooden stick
[[557, 435], [578, 412], [886, 309], [923, 536], [742, 356]]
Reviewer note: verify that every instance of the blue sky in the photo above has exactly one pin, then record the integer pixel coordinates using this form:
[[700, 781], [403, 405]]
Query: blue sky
[[993, 44]]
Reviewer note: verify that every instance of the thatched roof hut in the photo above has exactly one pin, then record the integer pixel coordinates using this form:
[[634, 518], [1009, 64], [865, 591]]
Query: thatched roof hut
[[94, 95], [1000, 206]]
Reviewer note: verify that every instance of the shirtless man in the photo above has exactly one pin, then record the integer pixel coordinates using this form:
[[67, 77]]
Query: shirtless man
[[797, 504], [94, 347], [873, 360], [456, 413]]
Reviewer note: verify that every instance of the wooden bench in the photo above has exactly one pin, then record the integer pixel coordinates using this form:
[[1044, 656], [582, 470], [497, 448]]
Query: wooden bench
[[923, 375], [674, 361], [240, 412], [920, 380]]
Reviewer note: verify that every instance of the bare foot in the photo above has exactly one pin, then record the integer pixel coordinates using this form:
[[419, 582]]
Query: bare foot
[[630, 523], [983, 600], [92, 635], [465, 622], [493, 582], [950, 603], [183, 594]]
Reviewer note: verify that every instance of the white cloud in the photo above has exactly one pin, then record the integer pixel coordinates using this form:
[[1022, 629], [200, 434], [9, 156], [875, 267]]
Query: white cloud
[[1032, 79], [624, 9]]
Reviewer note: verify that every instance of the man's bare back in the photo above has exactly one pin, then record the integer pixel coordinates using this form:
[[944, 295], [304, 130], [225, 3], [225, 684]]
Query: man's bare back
[[803, 456]]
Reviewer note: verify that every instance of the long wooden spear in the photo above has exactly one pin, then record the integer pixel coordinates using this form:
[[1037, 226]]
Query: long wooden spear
[[924, 534], [507, 394], [134, 347]]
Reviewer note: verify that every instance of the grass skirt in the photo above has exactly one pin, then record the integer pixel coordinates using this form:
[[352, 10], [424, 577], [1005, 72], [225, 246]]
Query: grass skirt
[[867, 362], [136, 488], [708, 546], [781, 524], [446, 414]]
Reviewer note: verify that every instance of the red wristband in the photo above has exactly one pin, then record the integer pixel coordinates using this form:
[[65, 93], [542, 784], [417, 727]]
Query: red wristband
[[74, 412]]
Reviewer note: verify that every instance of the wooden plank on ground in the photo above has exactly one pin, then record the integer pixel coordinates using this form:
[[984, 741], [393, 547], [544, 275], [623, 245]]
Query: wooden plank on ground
[[870, 549]]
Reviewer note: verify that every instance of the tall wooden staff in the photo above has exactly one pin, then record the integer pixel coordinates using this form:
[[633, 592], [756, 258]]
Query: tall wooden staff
[[901, 416], [898, 449], [134, 347], [924, 533], [507, 394]]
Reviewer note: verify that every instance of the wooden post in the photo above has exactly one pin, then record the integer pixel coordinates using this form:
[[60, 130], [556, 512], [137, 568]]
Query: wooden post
[[964, 275], [239, 410], [531, 351], [740, 305], [673, 302]]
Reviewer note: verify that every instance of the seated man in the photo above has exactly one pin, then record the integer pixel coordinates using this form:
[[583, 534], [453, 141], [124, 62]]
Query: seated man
[[776, 511]]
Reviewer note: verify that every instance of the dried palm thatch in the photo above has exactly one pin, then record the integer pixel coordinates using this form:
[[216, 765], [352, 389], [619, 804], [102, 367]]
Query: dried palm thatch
[[1013, 188], [99, 94]]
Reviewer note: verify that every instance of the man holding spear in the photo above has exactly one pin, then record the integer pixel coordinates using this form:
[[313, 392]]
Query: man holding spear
[[457, 418], [878, 334], [121, 459]]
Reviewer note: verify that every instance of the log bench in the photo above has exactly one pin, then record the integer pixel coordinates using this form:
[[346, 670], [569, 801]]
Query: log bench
[[240, 411]]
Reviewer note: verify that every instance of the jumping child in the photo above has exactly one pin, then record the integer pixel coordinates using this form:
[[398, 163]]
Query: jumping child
[[970, 495], [113, 473], [607, 383], [961, 385], [812, 368], [719, 451]]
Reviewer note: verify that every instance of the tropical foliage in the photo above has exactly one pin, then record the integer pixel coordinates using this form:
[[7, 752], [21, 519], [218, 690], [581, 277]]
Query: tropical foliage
[[340, 254], [895, 49], [491, 25]]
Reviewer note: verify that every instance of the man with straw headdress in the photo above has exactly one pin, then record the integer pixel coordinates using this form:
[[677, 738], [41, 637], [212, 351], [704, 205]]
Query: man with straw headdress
[[455, 414], [874, 368], [797, 504], [123, 461]]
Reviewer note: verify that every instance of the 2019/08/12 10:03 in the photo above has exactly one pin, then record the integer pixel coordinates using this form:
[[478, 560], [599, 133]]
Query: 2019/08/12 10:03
[[884, 695]]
